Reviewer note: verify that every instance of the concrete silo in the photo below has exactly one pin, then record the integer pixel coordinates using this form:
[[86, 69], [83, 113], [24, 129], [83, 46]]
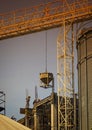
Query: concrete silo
[[84, 48]]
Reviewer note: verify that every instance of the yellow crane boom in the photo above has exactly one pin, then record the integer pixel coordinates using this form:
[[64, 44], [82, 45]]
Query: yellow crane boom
[[43, 16]]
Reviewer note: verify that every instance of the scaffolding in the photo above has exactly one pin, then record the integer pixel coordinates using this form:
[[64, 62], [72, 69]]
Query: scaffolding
[[2, 103]]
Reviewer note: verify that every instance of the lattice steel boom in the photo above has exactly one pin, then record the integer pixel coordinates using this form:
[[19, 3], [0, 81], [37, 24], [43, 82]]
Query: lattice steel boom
[[43, 16]]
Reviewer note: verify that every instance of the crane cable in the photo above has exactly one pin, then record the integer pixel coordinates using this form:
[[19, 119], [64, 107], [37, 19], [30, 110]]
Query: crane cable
[[46, 52]]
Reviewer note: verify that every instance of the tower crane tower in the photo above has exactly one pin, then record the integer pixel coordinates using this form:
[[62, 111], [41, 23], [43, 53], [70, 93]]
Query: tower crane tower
[[59, 13]]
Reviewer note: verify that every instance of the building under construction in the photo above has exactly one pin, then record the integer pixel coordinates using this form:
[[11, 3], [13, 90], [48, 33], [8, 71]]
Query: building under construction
[[44, 114]]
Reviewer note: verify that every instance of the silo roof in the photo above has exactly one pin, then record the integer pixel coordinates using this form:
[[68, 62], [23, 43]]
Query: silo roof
[[8, 124]]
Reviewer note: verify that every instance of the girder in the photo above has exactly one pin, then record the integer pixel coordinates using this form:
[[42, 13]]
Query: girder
[[43, 16]]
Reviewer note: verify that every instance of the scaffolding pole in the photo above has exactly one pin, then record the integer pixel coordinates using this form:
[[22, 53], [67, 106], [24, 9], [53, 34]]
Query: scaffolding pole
[[65, 74]]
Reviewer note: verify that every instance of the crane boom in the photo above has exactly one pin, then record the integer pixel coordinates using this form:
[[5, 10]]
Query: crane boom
[[43, 16]]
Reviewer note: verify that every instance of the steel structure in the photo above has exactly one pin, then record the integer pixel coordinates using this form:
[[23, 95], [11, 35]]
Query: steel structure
[[43, 16], [65, 72], [62, 13], [2, 103]]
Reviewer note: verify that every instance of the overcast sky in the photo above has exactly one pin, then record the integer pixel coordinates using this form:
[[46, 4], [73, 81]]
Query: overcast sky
[[22, 59], [10, 5]]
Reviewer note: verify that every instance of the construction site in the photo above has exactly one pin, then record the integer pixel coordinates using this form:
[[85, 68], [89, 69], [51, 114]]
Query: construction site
[[63, 109]]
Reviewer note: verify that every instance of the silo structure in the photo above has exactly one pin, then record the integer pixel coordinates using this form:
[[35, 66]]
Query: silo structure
[[84, 49]]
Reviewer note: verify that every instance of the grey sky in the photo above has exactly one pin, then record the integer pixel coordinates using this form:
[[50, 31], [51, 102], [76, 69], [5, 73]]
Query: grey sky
[[10, 5], [21, 61]]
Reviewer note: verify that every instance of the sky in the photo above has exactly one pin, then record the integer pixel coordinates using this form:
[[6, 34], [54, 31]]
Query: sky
[[22, 59], [11, 5]]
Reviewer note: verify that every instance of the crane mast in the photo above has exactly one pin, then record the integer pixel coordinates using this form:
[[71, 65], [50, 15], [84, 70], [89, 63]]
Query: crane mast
[[59, 13], [65, 77]]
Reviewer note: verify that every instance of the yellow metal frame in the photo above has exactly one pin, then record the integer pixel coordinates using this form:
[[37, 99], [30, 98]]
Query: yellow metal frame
[[43, 16]]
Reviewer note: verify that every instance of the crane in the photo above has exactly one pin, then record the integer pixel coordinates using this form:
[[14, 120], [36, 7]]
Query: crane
[[59, 13], [43, 16]]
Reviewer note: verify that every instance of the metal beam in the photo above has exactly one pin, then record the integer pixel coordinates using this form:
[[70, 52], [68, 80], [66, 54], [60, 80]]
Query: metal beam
[[43, 16]]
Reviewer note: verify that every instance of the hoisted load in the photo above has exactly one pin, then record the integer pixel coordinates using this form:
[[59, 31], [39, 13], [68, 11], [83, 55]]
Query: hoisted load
[[46, 79]]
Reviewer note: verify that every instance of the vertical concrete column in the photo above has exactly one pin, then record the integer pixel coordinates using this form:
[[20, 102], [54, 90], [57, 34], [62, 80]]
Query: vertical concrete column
[[35, 119], [52, 116], [53, 113]]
